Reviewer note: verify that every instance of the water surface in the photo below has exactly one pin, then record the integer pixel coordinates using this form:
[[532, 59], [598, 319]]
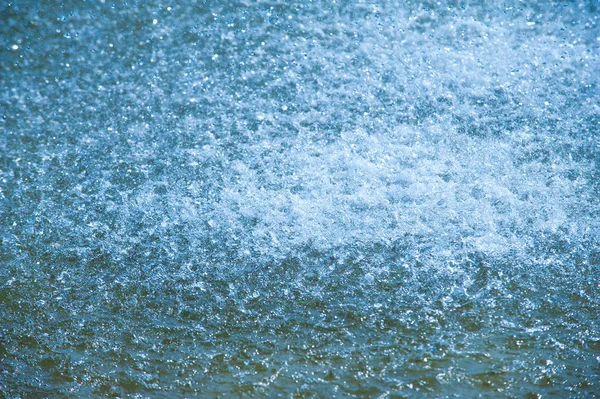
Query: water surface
[[299, 199]]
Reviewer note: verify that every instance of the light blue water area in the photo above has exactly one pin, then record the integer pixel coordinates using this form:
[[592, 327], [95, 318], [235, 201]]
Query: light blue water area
[[299, 199]]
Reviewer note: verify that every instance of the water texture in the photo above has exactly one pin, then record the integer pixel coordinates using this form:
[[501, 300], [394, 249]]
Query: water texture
[[318, 199]]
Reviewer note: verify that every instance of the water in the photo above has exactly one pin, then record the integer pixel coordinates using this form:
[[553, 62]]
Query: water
[[319, 199]]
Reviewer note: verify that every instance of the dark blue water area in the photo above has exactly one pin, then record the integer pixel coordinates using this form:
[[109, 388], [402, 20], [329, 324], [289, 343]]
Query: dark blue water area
[[320, 199]]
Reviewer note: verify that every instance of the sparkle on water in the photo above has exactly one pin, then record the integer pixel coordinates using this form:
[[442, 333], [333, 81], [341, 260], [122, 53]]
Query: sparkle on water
[[299, 199]]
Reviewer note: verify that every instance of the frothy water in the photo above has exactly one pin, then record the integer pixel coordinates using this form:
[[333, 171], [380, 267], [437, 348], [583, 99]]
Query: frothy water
[[330, 199]]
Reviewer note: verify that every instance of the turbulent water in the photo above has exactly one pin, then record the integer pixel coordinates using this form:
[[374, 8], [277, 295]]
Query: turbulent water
[[310, 199]]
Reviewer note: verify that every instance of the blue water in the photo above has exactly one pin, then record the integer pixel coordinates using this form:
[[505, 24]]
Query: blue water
[[305, 200]]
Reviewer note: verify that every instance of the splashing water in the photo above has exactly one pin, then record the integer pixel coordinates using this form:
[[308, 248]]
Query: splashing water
[[330, 199]]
